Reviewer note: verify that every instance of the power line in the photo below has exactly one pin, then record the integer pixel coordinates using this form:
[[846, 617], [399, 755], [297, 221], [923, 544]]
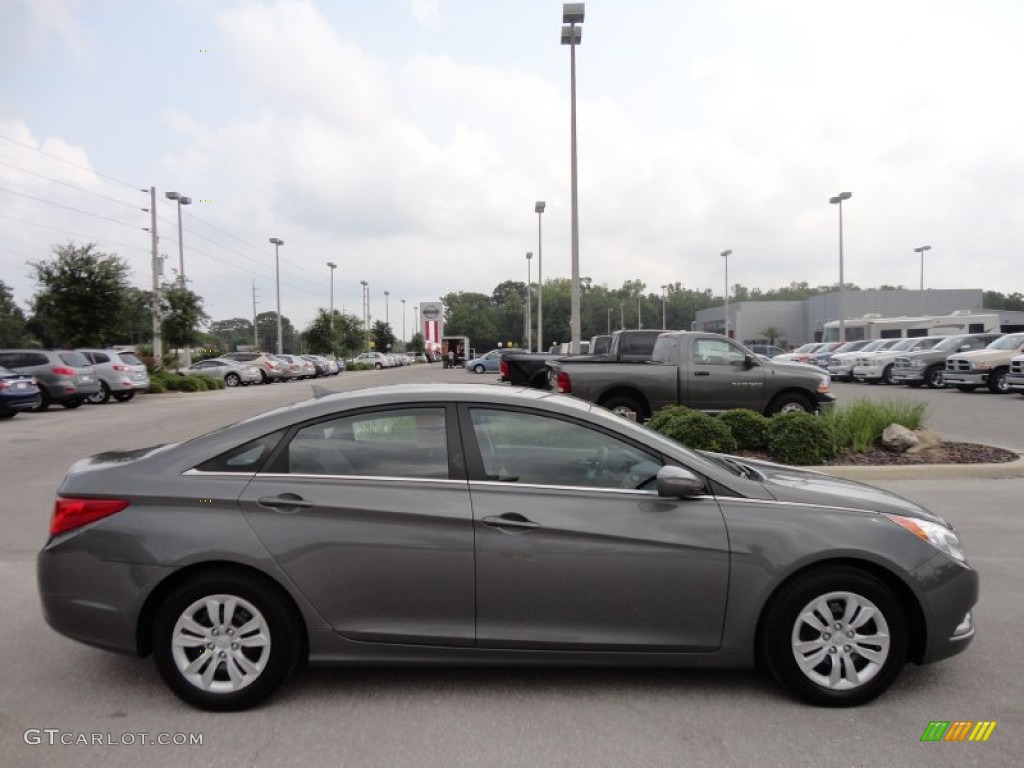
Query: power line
[[75, 234], [69, 162], [68, 208], [71, 186]]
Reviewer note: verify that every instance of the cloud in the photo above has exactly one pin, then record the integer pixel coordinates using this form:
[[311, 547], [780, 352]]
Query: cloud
[[427, 13]]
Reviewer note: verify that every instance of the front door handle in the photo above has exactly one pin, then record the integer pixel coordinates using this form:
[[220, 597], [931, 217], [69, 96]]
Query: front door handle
[[702, 373], [285, 502], [510, 520]]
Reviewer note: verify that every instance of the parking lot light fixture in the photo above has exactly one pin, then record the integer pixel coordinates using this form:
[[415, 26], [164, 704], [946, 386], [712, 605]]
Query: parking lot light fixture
[[838, 200], [278, 242], [572, 35], [725, 256], [332, 266], [538, 208]]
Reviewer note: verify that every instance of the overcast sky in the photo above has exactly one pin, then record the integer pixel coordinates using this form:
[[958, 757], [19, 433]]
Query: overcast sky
[[408, 140]]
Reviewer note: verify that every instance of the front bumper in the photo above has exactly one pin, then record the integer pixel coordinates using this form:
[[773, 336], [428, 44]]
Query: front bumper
[[960, 377], [950, 593], [826, 401], [1015, 381], [867, 372], [907, 375]]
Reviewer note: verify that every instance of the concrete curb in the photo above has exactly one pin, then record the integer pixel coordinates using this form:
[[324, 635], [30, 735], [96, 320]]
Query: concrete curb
[[1001, 471]]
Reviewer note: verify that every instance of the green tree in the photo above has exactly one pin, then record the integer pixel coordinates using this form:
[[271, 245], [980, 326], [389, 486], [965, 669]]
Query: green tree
[[383, 337], [82, 296], [12, 319], [137, 319], [319, 334], [416, 343], [182, 311], [233, 333], [266, 328], [473, 315]]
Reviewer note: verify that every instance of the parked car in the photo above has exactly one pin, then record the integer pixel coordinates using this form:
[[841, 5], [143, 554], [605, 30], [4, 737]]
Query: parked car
[[766, 350], [121, 374], [927, 366], [376, 359], [840, 365], [271, 369], [489, 363], [64, 376], [801, 353], [876, 367], [470, 524], [982, 367], [321, 366], [1015, 376], [232, 372], [18, 392], [824, 357]]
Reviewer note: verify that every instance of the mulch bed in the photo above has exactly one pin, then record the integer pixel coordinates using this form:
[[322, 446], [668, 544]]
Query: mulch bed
[[943, 453]]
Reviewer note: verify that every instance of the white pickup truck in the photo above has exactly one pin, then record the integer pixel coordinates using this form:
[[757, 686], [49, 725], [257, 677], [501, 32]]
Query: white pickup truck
[[1015, 377], [877, 366], [984, 367]]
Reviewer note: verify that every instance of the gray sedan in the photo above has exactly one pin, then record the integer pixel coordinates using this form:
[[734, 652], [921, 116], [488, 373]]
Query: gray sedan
[[232, 372], [447, 524]]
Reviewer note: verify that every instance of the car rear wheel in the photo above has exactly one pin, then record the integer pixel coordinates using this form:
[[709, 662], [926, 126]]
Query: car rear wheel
[[933, 377], [378, 366], [70, 404], [232, 380], [887, 374], [100, 397], [625, 406], [966, 387], [835, 637], [225, 641], [124, 397], [44, 401]]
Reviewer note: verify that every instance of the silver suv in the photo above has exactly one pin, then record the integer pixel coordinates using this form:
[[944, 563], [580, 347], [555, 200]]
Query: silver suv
[[64, 376], [271, 369], [121, 374]]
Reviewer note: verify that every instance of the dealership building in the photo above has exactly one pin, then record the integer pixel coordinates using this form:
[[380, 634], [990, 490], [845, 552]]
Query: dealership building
[[797, 322]]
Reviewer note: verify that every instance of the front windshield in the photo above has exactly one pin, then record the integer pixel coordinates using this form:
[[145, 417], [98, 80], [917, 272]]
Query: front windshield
[[873, 346], [926, 343], [902, 345], [1012, 341], [949, 344]]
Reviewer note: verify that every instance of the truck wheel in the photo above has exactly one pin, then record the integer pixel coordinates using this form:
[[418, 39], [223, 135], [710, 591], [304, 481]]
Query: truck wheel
[[887, 375], [792, 402], [997, 382], [623, 405], [966, 387], [933, 377]]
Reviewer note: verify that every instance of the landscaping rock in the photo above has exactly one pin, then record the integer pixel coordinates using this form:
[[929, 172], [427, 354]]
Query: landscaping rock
[[899, 439]]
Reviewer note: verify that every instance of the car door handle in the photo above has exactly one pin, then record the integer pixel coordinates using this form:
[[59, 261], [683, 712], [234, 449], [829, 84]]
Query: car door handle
[[702, 373], [285, 502], [510, 520]]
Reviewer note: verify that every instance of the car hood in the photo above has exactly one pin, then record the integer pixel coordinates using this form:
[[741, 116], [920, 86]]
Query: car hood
[[807, 486]]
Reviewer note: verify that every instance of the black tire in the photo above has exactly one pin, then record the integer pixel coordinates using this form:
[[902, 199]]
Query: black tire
[[72, 404], [100, 397], [44, 402], [264, 378], [254, 600], [933, 377], [966, 387], [232, 380], [478, 369], [997, 382], [378, 366], [7, 414], [621, 405], [791, 402], [785, 634], [887, 374], [124, 397]]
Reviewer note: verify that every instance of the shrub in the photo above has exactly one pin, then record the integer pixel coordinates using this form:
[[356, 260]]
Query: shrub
[[801, 438], [860, 424], [218, 383], [190, 384], [156, 386], [697, 430], [665, 416], [747, 427]]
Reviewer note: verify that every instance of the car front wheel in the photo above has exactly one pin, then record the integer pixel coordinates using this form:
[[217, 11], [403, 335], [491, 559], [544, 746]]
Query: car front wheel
[[835, 637], [225, 641], [933, 377], [100, 397], [793, 402], [478, 369], [232, 380]]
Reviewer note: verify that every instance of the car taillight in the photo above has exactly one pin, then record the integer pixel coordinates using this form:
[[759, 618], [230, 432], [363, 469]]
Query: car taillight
[[121, 368], [70, 513], [562, 383], [503, 367], [63, 371]]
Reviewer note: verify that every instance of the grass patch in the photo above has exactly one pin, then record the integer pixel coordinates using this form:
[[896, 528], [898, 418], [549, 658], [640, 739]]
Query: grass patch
[[859, 425]]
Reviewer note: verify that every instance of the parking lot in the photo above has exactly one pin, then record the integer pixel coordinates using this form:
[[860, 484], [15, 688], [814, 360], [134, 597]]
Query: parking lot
[[496, 717]]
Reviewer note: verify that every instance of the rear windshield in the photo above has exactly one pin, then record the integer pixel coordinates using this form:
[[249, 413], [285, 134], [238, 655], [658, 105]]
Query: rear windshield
[[74, 359], [129, 358]]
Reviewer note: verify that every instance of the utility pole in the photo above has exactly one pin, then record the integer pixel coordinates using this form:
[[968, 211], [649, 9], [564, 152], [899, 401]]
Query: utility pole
[[255, 333], [158, 343]]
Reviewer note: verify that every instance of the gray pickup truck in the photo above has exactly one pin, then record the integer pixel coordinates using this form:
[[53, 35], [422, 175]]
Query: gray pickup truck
[[530, 369], [926, 366], [704, 371]]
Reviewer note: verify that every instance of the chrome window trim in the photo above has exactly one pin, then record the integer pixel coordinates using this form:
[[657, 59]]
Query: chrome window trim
[[393, 478], [573, 488]]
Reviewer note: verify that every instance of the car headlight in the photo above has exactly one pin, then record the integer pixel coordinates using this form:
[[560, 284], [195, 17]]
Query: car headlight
[[981, 366], [916, 364], [939, 536]]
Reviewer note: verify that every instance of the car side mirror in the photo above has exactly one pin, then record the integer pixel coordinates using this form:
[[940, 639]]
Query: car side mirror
[[749, 361], [678, 483]]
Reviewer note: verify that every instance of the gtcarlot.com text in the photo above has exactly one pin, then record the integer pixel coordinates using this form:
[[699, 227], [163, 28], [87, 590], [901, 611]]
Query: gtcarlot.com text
[[55, 736]]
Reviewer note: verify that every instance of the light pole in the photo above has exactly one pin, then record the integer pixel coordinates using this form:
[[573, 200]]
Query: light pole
[[639, 317], [181, 200], [664, 301], [921, 251], [725, 255], [622, 315], [610, 310], [278, 242], [387, 311], [529, 308], [366, 311], [539, 210], [572, 35], [838, 200], [403, 321], [333, 266]]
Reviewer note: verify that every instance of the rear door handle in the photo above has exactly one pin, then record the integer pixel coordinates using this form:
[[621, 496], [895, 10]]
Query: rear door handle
[[702, 373], [285, 502], [510, 520]]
